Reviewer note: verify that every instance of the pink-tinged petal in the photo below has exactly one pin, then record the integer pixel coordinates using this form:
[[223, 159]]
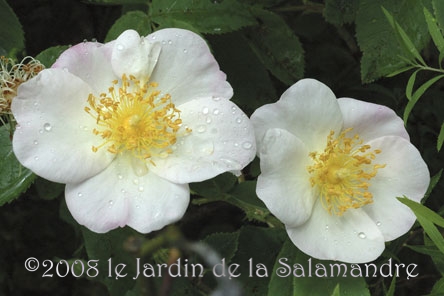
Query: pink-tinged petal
[[132, 55], [308, 110], [406, 174], [370, 120], [91, 62], [352, 237], [117, 197], [284, 184], [54, 138], [186, 69], [221, 140]]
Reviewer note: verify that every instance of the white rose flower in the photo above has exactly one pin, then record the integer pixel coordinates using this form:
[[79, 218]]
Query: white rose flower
[[331, 170], [128, 124]]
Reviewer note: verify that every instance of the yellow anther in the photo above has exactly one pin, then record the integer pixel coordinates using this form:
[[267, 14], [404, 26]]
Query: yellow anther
[[341, 173]]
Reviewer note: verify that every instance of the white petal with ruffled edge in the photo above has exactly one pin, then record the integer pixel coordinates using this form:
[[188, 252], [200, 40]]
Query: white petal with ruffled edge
[[54, 138], [371, 121], [90, 61], [117, 197], [221, 140], [186, 69], [132, 55], [352, 237], [308, 109], [405, 174], [284, 184]]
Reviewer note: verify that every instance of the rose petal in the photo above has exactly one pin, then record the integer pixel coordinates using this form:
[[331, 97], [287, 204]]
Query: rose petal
[[118, 197], [186, 69], [308, 109], [284, 184], [90, 61], [352, 237], [406, 174], [133, 56], [54, 138], [371, 121], [221, 140]]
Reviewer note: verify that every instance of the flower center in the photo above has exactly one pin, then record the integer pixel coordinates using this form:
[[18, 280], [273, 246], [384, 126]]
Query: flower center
[[342, 171], [134, 117]]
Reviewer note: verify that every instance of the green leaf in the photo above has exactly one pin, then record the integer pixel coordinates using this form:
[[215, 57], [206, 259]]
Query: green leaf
[[391, 290], [427, 218], [225, 244], [410, 85], [208, 17], [434, 31], [277, 46], [50, 55], [433, 182], [48, 190], [438, 7], [116, 2], [258, 249], [375, 35], [440, 138], [433, 252], [438, 288], [336, 291], [284, 282], [417, 95], [339, 12], [14, 178], [402, 70], [406, 42], [11, 32], [136, 20], [108, 249]]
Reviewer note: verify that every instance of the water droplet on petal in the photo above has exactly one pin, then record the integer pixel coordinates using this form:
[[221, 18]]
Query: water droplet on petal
[[110, 203], [136, 181], [94, 40], [120, 46], [208, 120], [36, 142], [247, 145], [238, 120], [123, 191], [80, 194], [120, 176], [47, 127], [185, 51], [170, 42], [36, 158], [216, 98], [362, 235], [378, 223], [205, 110], [141, 189], [85, 40], [201, 128], [216, 111], [326, 227]]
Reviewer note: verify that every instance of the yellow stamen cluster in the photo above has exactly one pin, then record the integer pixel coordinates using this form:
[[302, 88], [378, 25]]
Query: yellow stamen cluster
[[135, 117], [342, 171], [12, 75]]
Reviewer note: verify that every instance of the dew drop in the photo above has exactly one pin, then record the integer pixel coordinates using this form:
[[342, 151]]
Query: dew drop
[[85, 40], [236, 144], [247, 145], [378, 223], [185, 51], [208, 120], [36, 158], [123, 191], [216, 99], [163, 42], [362, 235], [201, 128], [80, 194], [120, 46], [141, 189], [94, 40], [120, 176], [47, 127], [137, 207], [136, 181], [216, 112], [36, 142], [326, 227], [110, 203], [170, 42], [217, 29], [18, 126], [205, 110], [40, 131], [238, 120]]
